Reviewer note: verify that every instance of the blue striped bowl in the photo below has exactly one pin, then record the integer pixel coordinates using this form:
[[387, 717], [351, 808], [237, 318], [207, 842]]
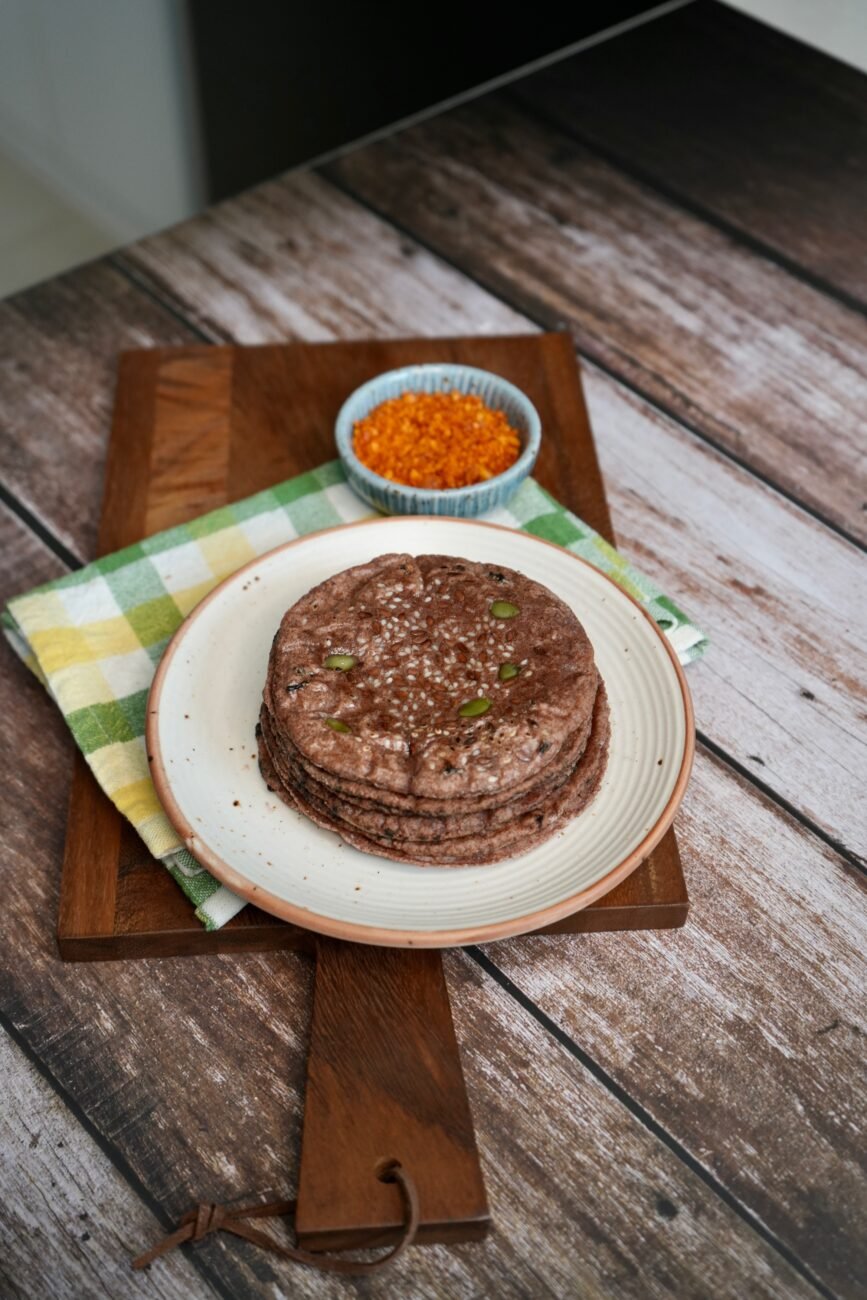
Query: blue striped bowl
[[462, 503]]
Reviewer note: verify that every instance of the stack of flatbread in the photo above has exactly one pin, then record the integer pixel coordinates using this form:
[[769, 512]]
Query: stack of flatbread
[[434, 710]]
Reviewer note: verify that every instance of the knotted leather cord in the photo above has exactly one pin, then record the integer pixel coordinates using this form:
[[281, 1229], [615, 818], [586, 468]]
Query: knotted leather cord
[[205, 1219]]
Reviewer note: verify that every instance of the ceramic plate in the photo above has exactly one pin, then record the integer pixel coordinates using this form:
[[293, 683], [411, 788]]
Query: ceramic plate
[[204, 705]]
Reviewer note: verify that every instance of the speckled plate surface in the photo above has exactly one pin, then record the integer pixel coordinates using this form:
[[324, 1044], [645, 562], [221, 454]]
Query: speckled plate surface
[[202, 716]]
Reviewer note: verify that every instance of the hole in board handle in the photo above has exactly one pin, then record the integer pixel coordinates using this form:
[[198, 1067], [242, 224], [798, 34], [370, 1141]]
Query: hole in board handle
[[385, 1170]]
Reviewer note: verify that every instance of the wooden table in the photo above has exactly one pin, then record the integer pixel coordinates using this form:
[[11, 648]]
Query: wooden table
[[658, 1114]]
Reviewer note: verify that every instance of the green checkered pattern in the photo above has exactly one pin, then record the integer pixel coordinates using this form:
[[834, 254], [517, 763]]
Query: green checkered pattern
[[95, 637]]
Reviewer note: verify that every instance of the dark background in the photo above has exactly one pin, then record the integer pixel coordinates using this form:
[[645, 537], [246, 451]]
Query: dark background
[[280, 83]]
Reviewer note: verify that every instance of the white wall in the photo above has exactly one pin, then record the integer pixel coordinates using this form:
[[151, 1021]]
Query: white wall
[[94, 99], [839, 27]]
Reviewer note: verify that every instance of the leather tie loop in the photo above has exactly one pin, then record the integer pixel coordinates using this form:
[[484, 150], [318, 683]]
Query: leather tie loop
[[207, 1218]]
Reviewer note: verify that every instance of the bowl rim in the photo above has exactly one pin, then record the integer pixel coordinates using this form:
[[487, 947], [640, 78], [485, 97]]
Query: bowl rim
[[343, 429]]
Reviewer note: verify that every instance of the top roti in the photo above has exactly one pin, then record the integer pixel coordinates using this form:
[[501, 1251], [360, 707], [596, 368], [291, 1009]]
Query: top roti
[[426, 642]]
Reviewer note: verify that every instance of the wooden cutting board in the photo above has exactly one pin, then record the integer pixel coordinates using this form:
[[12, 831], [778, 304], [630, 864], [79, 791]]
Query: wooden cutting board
[[195, 428]]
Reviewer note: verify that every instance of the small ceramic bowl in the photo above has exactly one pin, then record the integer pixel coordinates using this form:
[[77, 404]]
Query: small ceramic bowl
[[462, 503]]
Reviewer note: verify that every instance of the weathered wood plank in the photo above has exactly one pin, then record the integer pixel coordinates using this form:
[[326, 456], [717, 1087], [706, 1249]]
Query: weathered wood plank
[[296, 259], [779, 689], [685, 506], [752, 127], [385, 1085], [557, 1237], [743, 1033], [192, 1069], [763, 364], [58, 352], [68, 1220]]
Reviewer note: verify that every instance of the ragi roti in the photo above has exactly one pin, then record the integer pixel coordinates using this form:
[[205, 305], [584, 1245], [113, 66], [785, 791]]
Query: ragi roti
[[561, 761], [522, 834], [463, 817], [426, 642]]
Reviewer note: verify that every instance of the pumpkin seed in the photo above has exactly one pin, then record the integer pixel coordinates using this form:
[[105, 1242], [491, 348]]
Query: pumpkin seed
[[508, 671], [343, 662], [336, 725], [504, 609], [474, 708]]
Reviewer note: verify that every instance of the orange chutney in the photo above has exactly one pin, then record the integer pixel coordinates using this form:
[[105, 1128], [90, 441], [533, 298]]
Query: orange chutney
[[436, 440]]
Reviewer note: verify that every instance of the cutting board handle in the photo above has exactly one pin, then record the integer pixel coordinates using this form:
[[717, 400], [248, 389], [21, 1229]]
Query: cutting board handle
[[385, 1087]]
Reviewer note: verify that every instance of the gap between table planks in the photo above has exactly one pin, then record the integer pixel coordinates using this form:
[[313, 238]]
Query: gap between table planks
[[91, 1214], [197, 427], [782, 162]]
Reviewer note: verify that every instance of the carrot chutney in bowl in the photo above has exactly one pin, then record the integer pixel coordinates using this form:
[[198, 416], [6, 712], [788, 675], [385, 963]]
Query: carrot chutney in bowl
[[437, 440]]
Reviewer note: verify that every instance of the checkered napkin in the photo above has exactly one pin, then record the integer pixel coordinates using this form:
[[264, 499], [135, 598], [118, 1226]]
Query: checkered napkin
[[94, 638]]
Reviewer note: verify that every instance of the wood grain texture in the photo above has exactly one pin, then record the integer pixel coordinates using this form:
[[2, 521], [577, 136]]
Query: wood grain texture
[[766, 366], [385, 1086], [68, 1220], [192, 1070], [196, 427], [91, 859], [743, 1033], [141, 911], [296, 259], [116, 901], [751, 127], [128, 1062], [548, 1227], [798, 739], [190, 470], [58, 354], [780, 689]]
